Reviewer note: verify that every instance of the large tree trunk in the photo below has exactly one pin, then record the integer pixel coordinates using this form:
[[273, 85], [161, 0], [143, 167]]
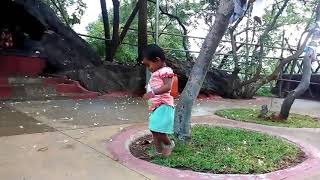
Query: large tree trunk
[[105, 19], [115, 30], [62, 48], [302, 87], [182, 124], [142, 27], [306, 72], [73, 52], [216, 81]]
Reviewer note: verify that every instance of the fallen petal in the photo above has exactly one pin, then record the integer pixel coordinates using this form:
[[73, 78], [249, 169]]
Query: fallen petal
[[43, 149]]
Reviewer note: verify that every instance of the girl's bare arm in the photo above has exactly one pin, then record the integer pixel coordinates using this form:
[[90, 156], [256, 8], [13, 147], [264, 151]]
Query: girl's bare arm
[[165, 88]]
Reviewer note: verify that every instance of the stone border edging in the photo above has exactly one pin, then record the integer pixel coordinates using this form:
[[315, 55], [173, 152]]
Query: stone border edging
[[119, 148]]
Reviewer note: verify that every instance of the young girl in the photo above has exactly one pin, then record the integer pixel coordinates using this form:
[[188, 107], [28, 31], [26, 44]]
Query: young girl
[[161, 105]]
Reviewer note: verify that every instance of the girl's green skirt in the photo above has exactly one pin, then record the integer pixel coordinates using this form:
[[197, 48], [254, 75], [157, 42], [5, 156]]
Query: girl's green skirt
[[161, 119]]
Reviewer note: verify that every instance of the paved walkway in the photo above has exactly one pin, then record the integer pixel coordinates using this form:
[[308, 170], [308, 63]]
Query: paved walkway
[[65, 139]]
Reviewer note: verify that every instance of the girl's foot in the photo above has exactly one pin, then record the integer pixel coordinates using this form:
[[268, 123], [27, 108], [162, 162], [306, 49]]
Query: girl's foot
[[155, 154], [167, 149]]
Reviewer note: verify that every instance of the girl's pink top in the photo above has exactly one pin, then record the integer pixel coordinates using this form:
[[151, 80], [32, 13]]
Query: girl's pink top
[[155, 82]]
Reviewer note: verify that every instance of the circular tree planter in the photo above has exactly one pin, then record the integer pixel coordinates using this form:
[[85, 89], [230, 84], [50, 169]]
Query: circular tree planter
[[251, 116], [221, 150], [119, 147]]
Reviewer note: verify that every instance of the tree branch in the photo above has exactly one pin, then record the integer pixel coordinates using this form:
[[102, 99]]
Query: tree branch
[[184, 29], [225, 57], [59, 7], [106, 28], [116, 26], [165, 27], [234, 52], [233, 42], [126, 27], [282, 63], [260, 44]]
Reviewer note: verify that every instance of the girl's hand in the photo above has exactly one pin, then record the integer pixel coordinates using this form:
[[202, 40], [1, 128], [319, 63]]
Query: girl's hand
[[149, 95]]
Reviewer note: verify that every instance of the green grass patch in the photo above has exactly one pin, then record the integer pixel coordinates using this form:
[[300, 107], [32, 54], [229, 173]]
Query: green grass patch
[[251, 115], [230, 151]]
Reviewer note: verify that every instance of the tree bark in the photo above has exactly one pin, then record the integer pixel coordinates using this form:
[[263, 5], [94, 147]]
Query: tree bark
[[142, 28], [306, 71], [182, 124], [106, 26], [115, 30]]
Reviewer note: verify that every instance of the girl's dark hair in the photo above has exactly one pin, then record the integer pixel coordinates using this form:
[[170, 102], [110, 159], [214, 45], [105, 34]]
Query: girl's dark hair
[[152, 52]]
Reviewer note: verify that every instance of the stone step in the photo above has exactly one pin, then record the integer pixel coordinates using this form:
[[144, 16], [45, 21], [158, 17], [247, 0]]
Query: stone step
[[5, 92], [42, 88], [33, 92], [89, 95], [17, 81]]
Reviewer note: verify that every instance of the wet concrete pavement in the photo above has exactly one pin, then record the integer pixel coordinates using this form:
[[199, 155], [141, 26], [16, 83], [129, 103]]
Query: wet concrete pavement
[[58, 156], [42, 116], [76, 147], [71, 114], [13, 122]]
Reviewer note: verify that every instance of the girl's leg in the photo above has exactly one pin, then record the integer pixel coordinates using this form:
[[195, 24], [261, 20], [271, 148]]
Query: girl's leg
[[157, 142], [167, 145], [164, 139]]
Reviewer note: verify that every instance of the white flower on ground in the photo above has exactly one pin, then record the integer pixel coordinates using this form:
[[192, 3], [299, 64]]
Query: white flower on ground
[[95, 124]]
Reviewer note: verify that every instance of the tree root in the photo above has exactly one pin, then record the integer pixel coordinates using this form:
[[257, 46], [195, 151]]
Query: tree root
[[277, 118]]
